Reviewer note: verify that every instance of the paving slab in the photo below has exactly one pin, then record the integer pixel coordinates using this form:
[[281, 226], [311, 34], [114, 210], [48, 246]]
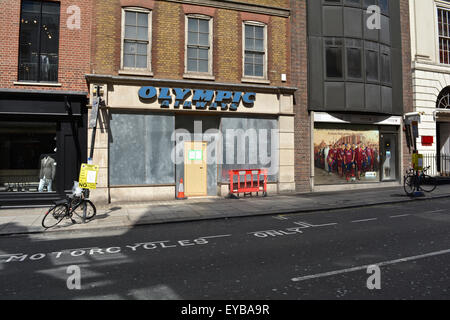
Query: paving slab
[[28, 220]]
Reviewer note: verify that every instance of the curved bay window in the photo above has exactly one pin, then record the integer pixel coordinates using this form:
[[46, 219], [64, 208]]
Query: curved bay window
[[39, 41], [28, 161]]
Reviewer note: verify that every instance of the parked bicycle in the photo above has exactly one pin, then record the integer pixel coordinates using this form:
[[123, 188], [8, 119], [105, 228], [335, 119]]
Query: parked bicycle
[[414, 181], [79, 205]]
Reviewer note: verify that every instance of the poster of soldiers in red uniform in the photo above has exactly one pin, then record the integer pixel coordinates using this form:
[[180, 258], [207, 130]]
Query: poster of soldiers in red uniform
[[346, 156]]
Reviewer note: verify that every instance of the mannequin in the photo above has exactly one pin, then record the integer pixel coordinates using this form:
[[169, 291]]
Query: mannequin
[[47, 172]]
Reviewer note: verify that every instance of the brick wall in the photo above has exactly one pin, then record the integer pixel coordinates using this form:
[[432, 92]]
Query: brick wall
[[168, 39], [299, 73], [407, 73], [74, 47]]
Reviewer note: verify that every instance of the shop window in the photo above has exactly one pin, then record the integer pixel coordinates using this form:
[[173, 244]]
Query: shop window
[[136, 35], [346, 154], [198, 45], [255, 50], [28, 161], [39, 41]]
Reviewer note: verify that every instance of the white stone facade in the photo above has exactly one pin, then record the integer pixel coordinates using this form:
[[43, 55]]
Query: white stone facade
[[429, 76]]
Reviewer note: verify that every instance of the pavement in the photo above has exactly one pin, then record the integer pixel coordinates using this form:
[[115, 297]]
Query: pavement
[[28, 220]]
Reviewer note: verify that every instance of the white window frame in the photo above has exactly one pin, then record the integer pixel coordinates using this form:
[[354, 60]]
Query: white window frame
[[199, 75], [138, 71], [264, 79]]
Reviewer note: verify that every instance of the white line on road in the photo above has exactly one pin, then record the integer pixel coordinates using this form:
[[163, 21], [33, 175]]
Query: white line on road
[[436, 211], [212, 237], [364, 220], [400, 216], [380, 264]]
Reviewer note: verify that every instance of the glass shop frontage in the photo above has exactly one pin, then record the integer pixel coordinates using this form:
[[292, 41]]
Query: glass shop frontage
[[353, 149], [42, 145]]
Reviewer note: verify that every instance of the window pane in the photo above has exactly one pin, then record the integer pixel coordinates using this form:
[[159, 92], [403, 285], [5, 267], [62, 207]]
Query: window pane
[[203, 54], [259, 70], [29, 47], [384, 4], [192, 38], [142, 33], [385, 68], [248, 69], [372, 65], [259, 45], [249, 31], [39, 41], [249, 58], [141, 61], [129, 61], [130, 18], [249, 44], [354, 60], [50, 7], [203, 26], [142, 48], [142, 19], [130, 32], [192, 65], [259, 59], [203, 39], [193, 25], [192, 53], [130, 47], [334, 62], [259, 32], [203, 65]]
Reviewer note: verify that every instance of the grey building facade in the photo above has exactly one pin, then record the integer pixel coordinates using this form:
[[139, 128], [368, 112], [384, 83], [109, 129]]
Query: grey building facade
[[355, 90]]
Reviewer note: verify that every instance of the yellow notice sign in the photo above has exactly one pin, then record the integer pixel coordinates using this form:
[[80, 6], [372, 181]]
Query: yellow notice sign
[[88, 176], [417, 160]]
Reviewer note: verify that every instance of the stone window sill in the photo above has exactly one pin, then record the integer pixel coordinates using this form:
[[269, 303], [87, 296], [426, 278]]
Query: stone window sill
[[130, 72], [255, 80], [37, 84], [199, 76]]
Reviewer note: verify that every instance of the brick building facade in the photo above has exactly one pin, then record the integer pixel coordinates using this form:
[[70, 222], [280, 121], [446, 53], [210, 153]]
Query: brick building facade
[[174, 66], [44, 55]]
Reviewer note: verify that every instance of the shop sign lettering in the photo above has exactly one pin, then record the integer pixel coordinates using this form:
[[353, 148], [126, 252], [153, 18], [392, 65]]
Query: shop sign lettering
[[198, 99]]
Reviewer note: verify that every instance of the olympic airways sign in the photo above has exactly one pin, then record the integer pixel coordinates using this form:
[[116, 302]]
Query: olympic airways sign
[[197, 99]]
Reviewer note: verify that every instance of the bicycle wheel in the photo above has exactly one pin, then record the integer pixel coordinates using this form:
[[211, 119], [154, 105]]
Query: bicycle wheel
[[409, 184], [91, 211], [54, 216], [427, 183]]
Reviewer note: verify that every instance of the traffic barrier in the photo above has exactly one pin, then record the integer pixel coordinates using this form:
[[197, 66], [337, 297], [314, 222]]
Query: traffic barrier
[[248, 182]]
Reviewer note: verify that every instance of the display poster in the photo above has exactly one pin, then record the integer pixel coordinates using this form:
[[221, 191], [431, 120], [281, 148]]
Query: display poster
[[346, 156]]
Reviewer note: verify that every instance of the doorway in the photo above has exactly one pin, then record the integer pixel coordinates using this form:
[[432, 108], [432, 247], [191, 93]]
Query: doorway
[[388, 156], [195, 169]]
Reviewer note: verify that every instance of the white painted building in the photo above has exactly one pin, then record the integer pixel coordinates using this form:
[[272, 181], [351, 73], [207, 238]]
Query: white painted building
[[430, 41]]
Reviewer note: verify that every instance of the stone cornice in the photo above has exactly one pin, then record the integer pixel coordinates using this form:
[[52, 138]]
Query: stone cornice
[[111, 79], [238, 5]]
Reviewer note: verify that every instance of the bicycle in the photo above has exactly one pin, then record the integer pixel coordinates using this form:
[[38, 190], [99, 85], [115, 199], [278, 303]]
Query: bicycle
[[413, 181], [80, 205]]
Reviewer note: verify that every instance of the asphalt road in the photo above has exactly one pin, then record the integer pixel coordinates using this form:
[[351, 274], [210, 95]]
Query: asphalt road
[[322, 255]]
